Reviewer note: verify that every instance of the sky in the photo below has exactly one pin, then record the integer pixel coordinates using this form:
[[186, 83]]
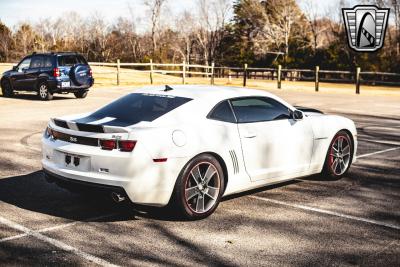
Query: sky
[[14, 11]]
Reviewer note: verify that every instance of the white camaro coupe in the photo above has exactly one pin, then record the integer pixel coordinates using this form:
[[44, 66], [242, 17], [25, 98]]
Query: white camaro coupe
[[190, 145]]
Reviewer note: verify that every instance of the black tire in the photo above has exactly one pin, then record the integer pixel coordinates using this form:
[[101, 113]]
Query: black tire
[[188, 202], [343, 156], [44, 91], [7, 89], [81, 94]]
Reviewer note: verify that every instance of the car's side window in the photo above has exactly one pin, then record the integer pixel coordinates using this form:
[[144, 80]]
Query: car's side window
[[256, 109], [36, 62], [47, 62], [222, 112], [24, 64]]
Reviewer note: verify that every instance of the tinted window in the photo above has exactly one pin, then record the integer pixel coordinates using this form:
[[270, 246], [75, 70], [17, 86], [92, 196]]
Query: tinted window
[[47, 62], [68, 60], [254, 109], [222, 112], [37, 62], [134, 108], [24, 64]]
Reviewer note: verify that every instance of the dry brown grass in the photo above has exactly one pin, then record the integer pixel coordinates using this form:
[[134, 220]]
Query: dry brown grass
[[107, 77]]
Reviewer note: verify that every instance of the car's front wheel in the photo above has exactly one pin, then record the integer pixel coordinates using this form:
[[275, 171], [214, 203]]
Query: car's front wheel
[[339, 156], [6, 89], [44, 92], [199, 187]]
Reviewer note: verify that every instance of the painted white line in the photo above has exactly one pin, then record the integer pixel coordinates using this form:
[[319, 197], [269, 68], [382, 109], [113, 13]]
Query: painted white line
[[57, 227], [298, 206], [377, 152], [56, 243]]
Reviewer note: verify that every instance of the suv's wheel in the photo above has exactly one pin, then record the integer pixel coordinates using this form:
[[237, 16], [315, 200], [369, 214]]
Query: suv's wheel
[[6, 89], [339, 156], [44, 92], [199, 187], [81, 94]]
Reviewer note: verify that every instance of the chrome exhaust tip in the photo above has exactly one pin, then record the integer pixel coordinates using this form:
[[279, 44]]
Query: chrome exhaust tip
[[117, 197]]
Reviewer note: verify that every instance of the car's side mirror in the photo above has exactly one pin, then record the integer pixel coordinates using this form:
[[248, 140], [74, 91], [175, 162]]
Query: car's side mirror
[[14, 68], [297, 115]]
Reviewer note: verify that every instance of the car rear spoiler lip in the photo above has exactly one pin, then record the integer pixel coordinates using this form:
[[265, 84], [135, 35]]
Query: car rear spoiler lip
[[90, 127]]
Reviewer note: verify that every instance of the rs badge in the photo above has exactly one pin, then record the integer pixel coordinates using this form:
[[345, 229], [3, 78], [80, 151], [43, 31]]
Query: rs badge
[[366, 27]]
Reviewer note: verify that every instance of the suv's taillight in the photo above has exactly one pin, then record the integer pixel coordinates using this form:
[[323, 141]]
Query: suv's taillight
[[90, 72], [56, 72]]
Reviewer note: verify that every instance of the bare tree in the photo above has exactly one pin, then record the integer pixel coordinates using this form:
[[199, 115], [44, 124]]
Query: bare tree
[[211, 19], [155, 7]]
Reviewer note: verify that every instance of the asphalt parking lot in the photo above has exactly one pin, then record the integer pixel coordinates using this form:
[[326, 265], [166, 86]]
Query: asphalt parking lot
[[309, 221]]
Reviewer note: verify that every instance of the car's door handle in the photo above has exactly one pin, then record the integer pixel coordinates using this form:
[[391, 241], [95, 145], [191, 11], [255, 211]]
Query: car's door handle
[[249, 135]]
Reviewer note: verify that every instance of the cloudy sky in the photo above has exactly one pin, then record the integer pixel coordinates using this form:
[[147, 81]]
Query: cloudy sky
[[14, 11]]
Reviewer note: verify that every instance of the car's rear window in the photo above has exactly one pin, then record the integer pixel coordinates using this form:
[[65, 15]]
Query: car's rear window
[[134, 108], [70, 60]]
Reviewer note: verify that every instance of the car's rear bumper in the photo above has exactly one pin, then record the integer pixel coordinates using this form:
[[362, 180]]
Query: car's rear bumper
[[144, 181], [56, 86]]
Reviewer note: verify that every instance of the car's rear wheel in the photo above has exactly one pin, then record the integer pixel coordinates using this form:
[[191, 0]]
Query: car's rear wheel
[[199, 187], [339, 156], [81, 94], [44, 92], [6, 89]]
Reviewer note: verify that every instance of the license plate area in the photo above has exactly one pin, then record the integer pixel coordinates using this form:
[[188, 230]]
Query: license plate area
[[65, 84], [76, 162]]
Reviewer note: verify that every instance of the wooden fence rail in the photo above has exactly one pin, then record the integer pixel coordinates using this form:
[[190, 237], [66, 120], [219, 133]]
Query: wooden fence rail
[[316, 75], [181, 69]]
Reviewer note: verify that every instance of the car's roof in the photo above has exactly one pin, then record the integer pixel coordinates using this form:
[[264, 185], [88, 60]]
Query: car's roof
[[200, 92], [54, 54]]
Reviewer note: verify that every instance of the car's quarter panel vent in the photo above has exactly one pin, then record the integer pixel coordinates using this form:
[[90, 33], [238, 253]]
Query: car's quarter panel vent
[[234, 161]]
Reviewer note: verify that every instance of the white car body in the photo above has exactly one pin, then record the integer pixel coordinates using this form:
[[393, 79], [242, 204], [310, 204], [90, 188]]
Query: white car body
[[252, 154]]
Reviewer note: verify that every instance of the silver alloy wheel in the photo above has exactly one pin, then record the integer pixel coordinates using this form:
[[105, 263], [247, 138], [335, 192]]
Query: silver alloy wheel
[[43, 91], [340, 155], [202, 187]]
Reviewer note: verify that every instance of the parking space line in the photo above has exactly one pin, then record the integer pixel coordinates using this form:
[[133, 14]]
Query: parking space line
[[56, 243], [48, 229], [378, 152], [328, 212]]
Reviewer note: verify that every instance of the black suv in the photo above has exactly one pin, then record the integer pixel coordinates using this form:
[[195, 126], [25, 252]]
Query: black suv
[[49, 73]]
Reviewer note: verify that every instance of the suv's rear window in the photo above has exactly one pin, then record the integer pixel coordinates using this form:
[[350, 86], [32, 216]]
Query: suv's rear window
[[70, 60], [134, 108]]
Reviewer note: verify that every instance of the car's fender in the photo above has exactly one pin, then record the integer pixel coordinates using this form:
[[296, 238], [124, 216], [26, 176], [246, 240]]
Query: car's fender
[[325, 127]]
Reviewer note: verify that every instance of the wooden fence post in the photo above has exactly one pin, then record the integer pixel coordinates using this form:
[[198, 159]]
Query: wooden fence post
[[245, 75], [279, 76], [183, 72], [212, 73], [118, 69], [316, 78], [151, 71], [358, 70]]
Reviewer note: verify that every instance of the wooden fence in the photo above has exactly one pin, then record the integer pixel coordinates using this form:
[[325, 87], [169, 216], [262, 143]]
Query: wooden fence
[[184, 70], [356, 77]]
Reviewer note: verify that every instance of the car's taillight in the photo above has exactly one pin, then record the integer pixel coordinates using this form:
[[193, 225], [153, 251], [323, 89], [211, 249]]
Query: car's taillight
[[56, 72], [126, 145], [90, 72], [108, 144], [122, 145]]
